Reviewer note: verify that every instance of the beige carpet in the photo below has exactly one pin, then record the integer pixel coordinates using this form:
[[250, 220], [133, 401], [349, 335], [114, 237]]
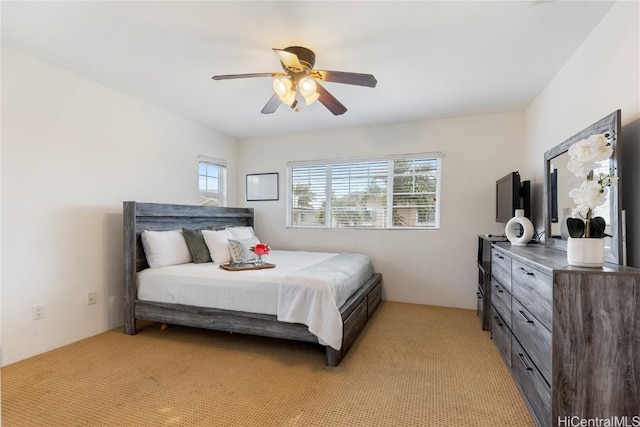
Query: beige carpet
[[412, 366]]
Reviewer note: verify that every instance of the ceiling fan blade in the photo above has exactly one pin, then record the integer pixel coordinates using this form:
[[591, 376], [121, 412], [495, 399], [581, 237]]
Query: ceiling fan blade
[[272, 105], [289, 60], [330, 101], [245, 76], [344, 77]]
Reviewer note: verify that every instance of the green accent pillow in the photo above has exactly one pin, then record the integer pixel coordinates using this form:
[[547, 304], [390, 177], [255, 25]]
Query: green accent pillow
[[197, 246]]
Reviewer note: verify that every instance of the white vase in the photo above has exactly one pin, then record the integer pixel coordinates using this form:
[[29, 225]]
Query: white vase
[[585, 252], [514, 224], [564, 230]]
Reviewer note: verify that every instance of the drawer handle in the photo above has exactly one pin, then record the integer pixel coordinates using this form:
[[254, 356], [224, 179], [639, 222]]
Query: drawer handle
[[524, 316], [528, 273], [499, 256], [499, 290], [524, 362], [498, 320]]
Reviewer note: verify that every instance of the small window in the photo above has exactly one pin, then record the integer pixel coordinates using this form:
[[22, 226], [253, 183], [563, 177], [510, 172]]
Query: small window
[[212, 181], [390, 192]]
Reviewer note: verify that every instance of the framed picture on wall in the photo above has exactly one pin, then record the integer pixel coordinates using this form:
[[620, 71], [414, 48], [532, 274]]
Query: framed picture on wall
[[262, 186]]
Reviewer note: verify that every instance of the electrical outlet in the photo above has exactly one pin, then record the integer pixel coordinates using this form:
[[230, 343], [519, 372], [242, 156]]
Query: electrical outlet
[[37, 311], [91, 298]]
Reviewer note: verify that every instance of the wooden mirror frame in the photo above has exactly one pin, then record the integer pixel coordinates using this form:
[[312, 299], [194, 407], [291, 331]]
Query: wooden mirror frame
[[610, 124]]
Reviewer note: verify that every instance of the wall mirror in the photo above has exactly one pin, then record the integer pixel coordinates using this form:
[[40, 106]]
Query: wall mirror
[[558, 181]]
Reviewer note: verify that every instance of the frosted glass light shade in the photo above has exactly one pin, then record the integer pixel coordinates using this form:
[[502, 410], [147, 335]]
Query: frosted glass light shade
[[307, 86], [308, 90], [282, 86], [284, 89], [312, 98]]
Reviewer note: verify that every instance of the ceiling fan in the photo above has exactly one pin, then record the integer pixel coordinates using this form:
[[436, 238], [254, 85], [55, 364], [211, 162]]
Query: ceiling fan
[[299, 76]]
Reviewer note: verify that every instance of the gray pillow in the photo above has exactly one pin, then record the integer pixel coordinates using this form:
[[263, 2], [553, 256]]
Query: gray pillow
[[240, 252], [197, 246]]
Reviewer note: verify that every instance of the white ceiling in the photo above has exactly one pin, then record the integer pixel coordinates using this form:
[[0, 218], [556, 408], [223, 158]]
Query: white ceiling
[[431, 59]]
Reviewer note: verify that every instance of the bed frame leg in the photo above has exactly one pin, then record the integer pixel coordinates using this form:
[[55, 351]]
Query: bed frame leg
[[333, 357], [129, 326]]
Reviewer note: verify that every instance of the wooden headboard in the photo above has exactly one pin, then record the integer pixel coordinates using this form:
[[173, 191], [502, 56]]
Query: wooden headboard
[[160, 217]]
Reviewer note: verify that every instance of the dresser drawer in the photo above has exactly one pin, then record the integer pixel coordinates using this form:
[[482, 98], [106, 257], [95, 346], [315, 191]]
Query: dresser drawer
[[501, 300], [501, 268], [501, 336], [534, 337], [534, 387], [533, 289]]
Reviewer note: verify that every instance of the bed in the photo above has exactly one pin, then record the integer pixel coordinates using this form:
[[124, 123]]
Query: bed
[[353, 314]]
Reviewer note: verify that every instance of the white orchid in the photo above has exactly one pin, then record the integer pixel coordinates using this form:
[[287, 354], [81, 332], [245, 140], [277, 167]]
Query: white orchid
[[582, 151], [584, 156], [588, 196], [600, 146], [607, 180], [581, 169]]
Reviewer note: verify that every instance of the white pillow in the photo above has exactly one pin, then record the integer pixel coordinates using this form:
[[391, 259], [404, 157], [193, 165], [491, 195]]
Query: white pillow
[[241, 233], [164, 248], [218, 244]]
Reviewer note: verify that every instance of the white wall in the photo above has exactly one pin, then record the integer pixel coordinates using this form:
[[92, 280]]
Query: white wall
[[72, 151], [424, 267], [602, 76]]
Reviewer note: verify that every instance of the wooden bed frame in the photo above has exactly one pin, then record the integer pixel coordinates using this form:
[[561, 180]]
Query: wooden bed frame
[[355, 312]]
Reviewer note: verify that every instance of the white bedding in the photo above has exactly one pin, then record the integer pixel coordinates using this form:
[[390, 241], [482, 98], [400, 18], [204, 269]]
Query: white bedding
[[305, 287]]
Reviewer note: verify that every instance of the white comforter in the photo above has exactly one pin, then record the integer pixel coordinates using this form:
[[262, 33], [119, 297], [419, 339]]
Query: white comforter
[[312, 295], [305, 287]]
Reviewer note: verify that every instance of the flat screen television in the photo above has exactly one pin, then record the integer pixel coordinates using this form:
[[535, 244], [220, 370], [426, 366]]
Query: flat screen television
[[512, 194]]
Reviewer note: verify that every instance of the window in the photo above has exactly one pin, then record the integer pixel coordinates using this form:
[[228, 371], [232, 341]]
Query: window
[[389, 192], [212, 181]]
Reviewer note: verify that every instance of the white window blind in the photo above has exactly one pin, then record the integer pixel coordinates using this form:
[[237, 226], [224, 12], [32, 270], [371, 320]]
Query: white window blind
[[389, 192], [307, 195], [212, 181]]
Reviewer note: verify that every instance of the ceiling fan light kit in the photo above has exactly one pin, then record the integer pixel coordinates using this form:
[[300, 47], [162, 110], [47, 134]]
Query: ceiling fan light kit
[[283, 87], [300, 77], [308, 90]]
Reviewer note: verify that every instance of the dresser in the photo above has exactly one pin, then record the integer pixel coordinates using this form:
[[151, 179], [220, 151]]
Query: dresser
[[484, 279], [570, 336]]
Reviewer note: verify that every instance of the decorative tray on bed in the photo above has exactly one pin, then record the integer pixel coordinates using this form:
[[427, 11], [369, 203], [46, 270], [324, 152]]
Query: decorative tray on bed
[[233, 266]]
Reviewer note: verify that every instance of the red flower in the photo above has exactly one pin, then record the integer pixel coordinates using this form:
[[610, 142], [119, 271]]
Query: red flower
[[261, 249]]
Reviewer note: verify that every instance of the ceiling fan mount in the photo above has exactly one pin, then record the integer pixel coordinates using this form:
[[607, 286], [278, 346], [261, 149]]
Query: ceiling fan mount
[[301, 80], [306, 57]]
